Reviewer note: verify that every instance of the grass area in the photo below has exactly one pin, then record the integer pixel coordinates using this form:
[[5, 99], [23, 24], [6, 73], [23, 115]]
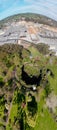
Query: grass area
[[34, 51], [37, 57], [1, 111], [44, 120], [53, 81], [13, 112]]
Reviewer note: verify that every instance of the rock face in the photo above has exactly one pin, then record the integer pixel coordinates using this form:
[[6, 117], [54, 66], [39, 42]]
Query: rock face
[[34, 32]]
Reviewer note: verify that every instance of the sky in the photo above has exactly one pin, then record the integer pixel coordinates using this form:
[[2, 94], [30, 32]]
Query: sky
[[44, 7]]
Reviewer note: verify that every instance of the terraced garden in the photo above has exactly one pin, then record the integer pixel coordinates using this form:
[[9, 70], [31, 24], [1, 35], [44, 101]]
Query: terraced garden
[[27, 79]]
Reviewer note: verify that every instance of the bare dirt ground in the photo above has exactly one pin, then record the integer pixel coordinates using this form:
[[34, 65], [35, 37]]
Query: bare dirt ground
[[51, 102]]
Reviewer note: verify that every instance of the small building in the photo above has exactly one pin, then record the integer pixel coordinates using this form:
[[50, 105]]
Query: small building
[[22, 34], [33, 37]]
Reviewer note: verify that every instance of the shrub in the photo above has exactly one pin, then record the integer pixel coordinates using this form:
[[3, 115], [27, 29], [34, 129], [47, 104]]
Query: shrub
[[43, 48]]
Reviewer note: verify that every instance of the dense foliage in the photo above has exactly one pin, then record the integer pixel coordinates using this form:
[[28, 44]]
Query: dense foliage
[[22, 103]]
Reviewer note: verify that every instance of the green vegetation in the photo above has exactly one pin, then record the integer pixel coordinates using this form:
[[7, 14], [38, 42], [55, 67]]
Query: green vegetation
[[27, 78], [28, 17], [43, 48]]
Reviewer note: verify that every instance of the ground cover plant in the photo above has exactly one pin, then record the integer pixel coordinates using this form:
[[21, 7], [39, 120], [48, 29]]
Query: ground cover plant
[[28, 78]]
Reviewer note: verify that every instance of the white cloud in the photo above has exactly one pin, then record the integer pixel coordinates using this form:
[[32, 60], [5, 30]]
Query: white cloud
[[45, 7]]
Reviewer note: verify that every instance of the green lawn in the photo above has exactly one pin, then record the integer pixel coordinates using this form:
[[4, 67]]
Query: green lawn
[[13, 112], [44, 120], [53, 81]]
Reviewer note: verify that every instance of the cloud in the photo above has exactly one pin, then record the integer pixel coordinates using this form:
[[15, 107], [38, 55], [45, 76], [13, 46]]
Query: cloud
[[45, 7], [28, 1]]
